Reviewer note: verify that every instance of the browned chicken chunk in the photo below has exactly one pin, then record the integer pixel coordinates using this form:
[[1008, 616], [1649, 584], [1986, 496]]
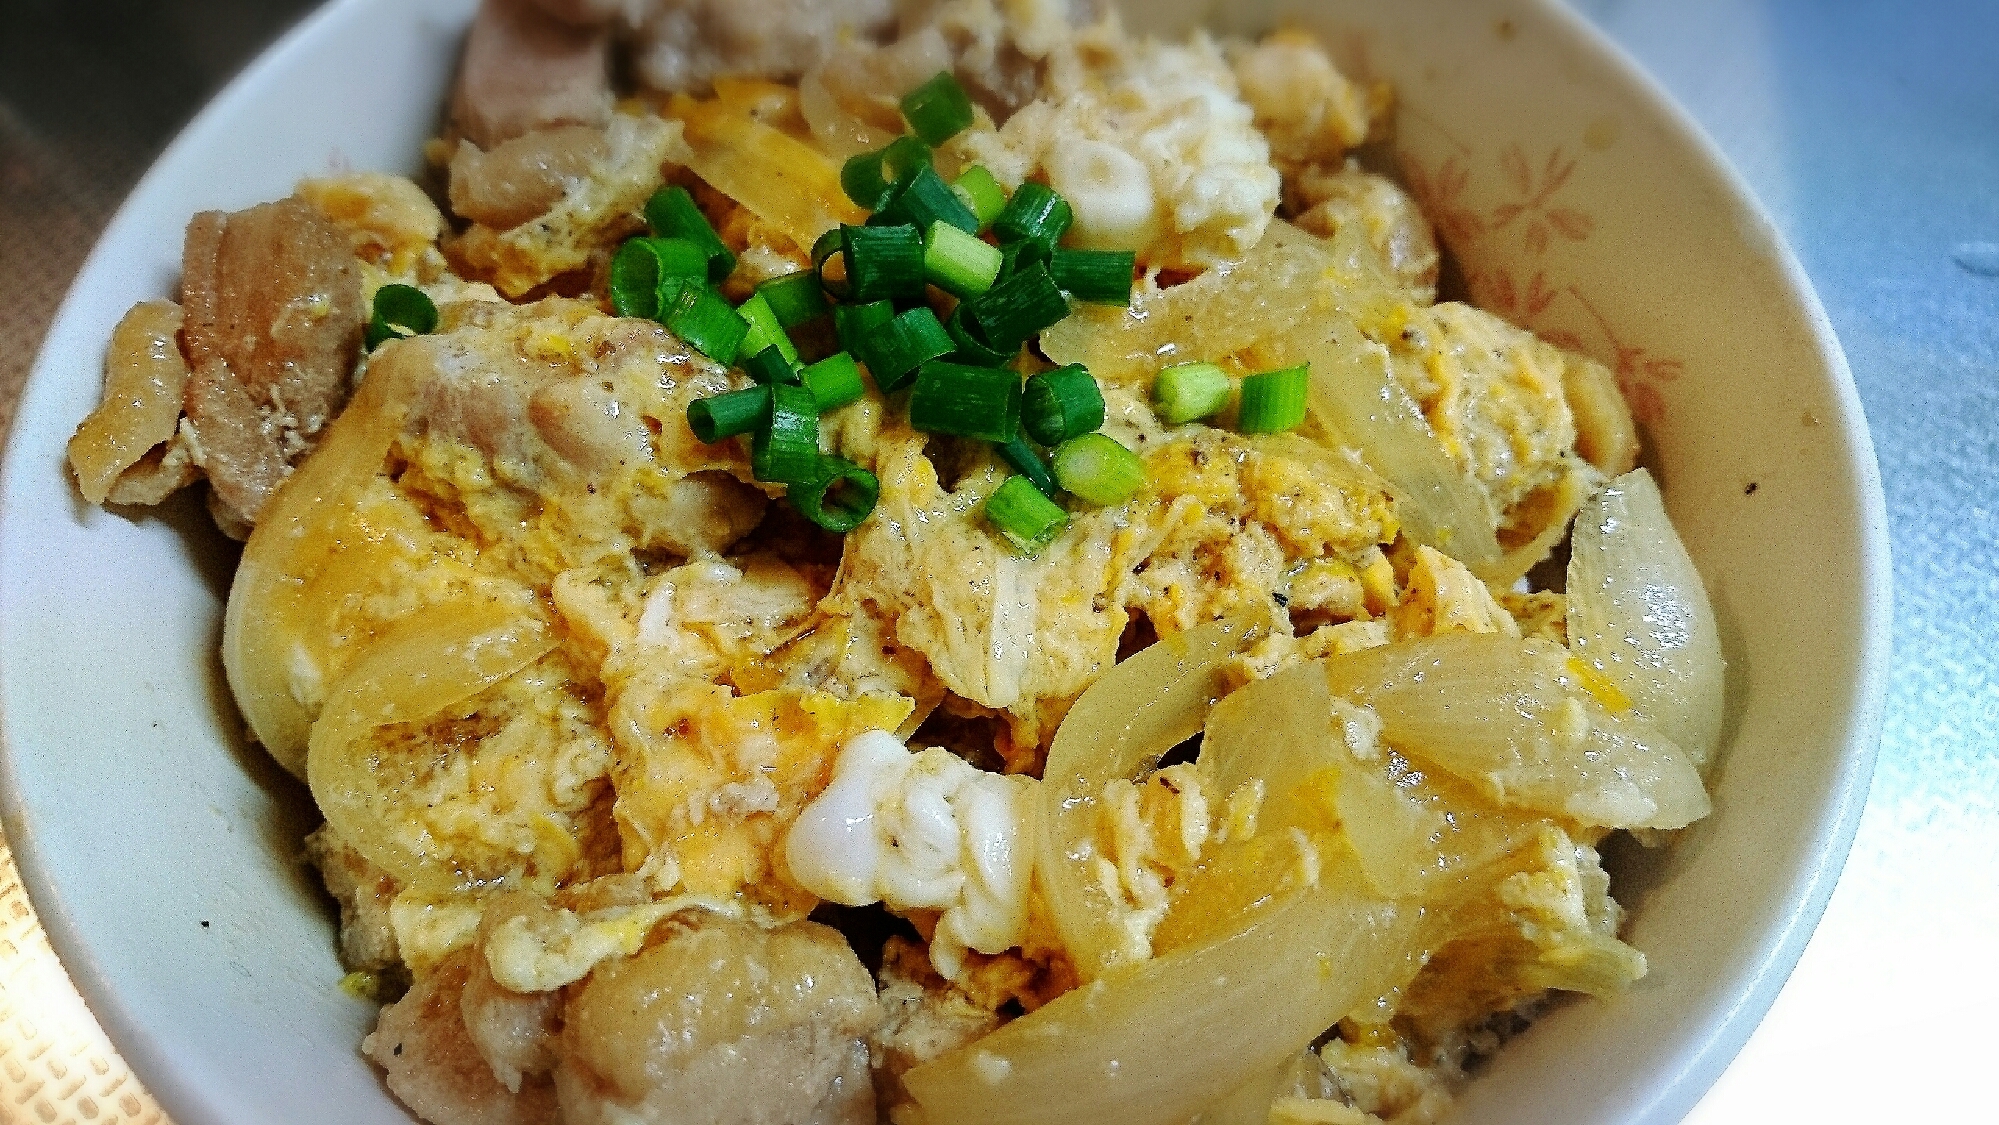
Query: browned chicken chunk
[[274, 322], [524, 70]]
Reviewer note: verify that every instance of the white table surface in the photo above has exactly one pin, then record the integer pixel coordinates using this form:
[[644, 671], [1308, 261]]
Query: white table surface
[[1871, 133]]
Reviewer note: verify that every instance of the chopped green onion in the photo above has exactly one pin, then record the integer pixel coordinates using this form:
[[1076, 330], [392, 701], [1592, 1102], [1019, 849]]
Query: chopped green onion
[[855, 323], [725, 415], [1060, 404], [959, 263], [894, 351], [824, 252], [786, 450], [1025, 517], [1025, 461], [837, 496], [796, 298], [766, 331], [980, 192], [1035, 215], [1098, 469], [1017, 308], [971, 349], [1185, 392], [925, 199], [883, 261], [979, 402], [1099, 276], [400, 310], [672, 214], [834, 381], [694, 312], [1274, 401], [869, 177], [937, 110], [642, 263], [769, 366]]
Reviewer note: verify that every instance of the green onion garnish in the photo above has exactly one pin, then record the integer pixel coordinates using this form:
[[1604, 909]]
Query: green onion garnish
[[400, 310], [938, 109], [1099, 276], [834, 381], [837, 496], [1060, 404], [1274, 401], [1098, 469], [1035, 215], [693, 311], [883, 262], [970, 348], [1025, 461], [1018, 307], [769, 366], [1185, 392], [786, 450], [894, 351], [1026, 518], [766, 331], [796, 298], [642, 263], [672, 214], [979, 402], [959, 263], [869, 177], [855, 323], [925, 199], [980, 192], [725, 415]]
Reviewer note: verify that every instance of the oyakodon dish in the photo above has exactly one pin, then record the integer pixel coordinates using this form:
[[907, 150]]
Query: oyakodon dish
[[595, 724]]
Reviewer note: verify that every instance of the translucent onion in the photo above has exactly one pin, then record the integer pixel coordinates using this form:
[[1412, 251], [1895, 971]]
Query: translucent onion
[[1639, 615], [1527, 725], [781, 179], [1355, 396], [1119, 728], [309, 549], [441, 656], [1152, 1043]]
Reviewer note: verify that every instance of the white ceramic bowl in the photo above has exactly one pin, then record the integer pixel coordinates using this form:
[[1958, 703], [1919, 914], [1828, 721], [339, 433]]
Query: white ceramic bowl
[[160, 848]]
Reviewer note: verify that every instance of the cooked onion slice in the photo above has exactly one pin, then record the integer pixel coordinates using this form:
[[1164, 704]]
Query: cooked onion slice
[[1518, 720], [443, 655], [1639, 615], [1152, 1043], [1119, 729], [309, 550]]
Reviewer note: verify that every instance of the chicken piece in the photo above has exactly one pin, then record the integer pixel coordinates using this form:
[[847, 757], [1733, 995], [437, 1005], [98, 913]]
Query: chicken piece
[[592, 215], [684, 45], [125, 450], [514, 1032], [1304, 105], [725, 1023], [522, 177], [433, 1065], [523, 70], [1151, 145], [364, 892], [274, 317], [1328, 199], [924, 1017]]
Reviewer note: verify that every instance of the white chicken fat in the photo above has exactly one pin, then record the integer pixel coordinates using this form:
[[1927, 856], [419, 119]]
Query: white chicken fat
[[919, 831]]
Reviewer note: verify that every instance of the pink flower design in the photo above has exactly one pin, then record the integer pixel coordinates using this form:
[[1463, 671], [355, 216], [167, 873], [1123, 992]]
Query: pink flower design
[[1542, 219]]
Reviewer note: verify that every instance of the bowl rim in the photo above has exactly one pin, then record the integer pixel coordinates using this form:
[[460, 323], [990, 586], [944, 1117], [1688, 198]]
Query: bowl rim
[[1776, 949]]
